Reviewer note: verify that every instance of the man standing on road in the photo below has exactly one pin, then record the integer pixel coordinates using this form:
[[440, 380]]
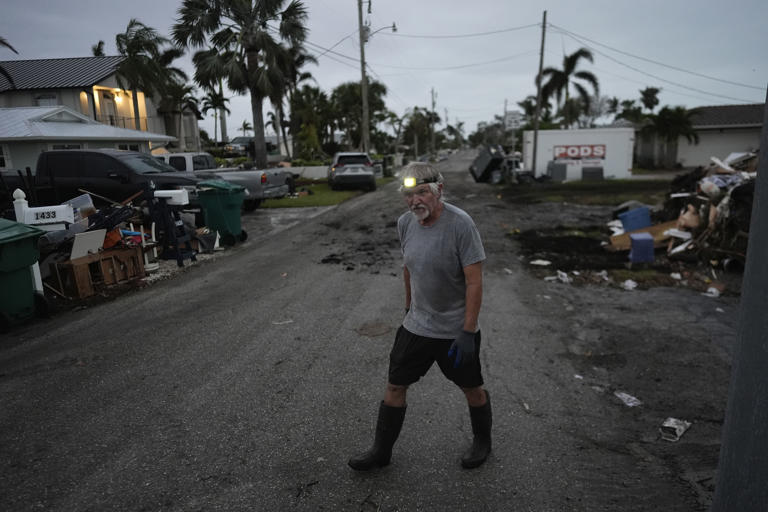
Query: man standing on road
[[443, 257]]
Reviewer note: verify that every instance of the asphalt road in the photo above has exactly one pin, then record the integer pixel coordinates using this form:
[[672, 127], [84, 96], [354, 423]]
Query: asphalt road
[[246, 383]]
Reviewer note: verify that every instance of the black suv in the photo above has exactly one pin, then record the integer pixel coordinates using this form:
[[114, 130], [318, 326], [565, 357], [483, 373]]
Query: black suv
[[111, 173]]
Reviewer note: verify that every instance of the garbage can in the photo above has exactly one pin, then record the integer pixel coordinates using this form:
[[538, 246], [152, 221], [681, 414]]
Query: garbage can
[[221, 202], [18, 251]]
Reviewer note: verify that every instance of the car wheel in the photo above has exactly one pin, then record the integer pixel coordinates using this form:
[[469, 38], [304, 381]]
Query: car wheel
[[251, 204]]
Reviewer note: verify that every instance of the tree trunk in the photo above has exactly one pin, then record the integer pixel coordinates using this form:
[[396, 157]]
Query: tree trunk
[[136, 120], [257, 102], [215, 125], [285, 137], [223, 115], [182, 142]]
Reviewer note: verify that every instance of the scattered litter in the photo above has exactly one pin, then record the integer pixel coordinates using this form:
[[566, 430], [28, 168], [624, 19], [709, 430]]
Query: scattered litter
[[681, 247], [546, 297], [576, 272], [720, 310], [628, 400], [681, 194], [549, 279], [578, 377], [604, 275], [563, 277], [541, 263], [321, 459], [507, 271], [676, 276], [712, 292], [284, 274], [282, 322], [526, 407], [629, 284], [672, 429]]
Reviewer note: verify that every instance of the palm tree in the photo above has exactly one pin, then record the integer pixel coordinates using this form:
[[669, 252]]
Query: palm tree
[[649, 97], [178, 98], [140, 68], [98, 49], [246, 37], [245, 127], [668, 126], [215, 101], [5, 43], [560, 81]]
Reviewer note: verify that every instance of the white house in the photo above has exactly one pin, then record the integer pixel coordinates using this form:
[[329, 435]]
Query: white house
[[27, 131], [89, 86], [722, 130]]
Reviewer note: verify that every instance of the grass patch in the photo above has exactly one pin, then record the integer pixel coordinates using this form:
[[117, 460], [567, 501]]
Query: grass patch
[[318, 194], [607, 192]]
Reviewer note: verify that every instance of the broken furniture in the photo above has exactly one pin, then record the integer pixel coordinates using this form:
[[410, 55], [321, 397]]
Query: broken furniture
[[82, 277], [165, 212]]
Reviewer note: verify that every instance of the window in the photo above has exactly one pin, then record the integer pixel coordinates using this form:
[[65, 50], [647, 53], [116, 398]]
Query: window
[[98, 165], [66, 146], [203, 162], [178, 163], [46, 100], [128, 147], [5, 157], [65, 165]]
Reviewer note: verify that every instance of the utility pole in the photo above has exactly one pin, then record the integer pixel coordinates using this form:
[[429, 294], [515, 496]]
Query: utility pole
[[743, 466], [538, 94], [364, 135], [504, 123], [432, 122]]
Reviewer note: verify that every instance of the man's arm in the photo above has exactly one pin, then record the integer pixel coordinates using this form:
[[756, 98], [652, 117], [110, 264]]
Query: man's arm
[[473, 278], [407, 279]]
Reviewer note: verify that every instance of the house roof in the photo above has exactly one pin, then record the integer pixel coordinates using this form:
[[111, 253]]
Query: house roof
[[57, 73], [728, 116], [61, 123]]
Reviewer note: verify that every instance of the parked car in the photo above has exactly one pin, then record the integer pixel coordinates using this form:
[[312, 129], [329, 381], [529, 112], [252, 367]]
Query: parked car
[[238, 146], [352, 170], [258, 184], [110, 173]]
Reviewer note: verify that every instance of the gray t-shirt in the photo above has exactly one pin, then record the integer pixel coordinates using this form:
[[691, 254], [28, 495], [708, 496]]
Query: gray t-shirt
[[435, 257]]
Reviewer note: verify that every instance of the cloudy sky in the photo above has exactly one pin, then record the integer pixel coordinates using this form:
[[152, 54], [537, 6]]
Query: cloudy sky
[[475, 54]]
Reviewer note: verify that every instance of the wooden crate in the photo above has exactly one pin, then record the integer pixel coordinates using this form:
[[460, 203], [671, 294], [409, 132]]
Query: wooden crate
[[82, 277]]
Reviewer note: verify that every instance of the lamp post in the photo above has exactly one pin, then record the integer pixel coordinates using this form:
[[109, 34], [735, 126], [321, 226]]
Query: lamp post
[[365, 33]]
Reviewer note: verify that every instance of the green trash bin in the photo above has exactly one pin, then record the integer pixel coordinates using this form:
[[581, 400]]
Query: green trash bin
[[221, 202], [18, 251]]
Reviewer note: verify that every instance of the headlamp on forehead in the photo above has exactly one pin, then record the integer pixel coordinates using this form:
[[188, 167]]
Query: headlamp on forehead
[[410, 181]]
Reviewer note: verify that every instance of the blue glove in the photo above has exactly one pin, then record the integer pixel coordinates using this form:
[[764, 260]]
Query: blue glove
[[463, 347]]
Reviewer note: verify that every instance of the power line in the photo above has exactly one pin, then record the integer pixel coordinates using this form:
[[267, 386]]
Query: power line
[[458, 36], [652, 75], [676, 68], [461, 66]]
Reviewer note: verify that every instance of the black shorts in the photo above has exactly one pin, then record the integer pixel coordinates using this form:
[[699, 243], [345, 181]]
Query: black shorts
[[412, 356]]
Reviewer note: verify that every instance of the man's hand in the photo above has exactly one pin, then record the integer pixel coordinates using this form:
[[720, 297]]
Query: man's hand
[[463, 347]]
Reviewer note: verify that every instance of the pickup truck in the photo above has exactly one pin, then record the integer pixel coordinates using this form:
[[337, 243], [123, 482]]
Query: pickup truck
[[110, 173], [258, 184]]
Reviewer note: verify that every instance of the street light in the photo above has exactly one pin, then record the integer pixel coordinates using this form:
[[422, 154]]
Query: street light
[[365, 33]]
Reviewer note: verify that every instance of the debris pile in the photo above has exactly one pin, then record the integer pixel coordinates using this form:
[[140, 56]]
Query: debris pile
[[706, 216]]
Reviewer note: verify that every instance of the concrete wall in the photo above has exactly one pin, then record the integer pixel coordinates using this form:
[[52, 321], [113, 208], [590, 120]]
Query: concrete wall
[[717, 143], [311, 173]]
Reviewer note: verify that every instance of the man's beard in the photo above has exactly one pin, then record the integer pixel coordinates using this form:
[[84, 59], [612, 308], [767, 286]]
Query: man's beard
[[421, 212]]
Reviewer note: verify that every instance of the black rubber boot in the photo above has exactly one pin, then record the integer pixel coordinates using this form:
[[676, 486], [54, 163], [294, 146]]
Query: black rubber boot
[[387, 429], [481, 429]]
